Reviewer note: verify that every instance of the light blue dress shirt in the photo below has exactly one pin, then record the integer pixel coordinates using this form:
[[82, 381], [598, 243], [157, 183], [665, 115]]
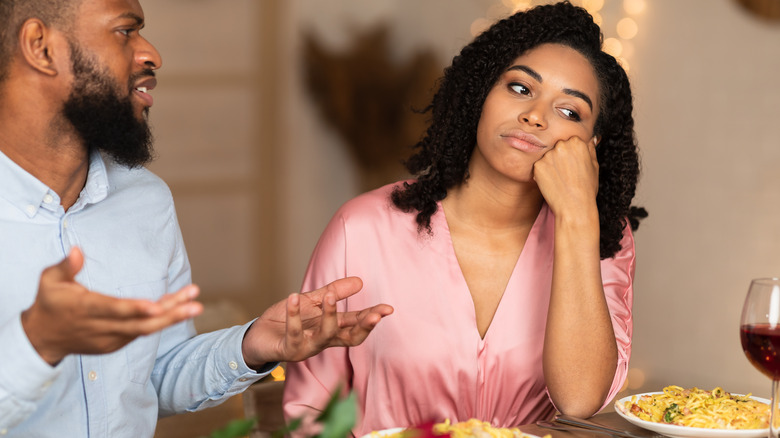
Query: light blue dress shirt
[[125, 223]]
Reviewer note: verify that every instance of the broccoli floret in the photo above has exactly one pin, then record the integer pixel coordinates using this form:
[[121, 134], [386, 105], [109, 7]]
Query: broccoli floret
[[672, 412]]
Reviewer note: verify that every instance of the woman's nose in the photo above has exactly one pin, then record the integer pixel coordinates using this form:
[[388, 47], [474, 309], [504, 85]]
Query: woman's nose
[[533, 117]]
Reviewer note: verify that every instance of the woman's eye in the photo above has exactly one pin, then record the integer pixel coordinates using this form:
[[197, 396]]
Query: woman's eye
[[569, 114], [519, 88]]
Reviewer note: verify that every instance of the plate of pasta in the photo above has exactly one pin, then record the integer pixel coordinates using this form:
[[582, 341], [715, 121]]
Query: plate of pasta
[[689, 413], [472, 428]]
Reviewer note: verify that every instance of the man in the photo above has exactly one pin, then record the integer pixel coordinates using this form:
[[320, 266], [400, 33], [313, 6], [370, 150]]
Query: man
[[96, 337]]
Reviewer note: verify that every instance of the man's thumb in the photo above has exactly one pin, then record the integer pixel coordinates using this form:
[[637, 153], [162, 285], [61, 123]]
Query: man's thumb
[[69, 266]]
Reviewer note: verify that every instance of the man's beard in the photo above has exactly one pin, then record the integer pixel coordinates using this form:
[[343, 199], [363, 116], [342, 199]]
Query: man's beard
[[103, 119]]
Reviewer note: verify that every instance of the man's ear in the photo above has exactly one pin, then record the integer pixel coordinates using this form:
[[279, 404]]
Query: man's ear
[[37, 47]]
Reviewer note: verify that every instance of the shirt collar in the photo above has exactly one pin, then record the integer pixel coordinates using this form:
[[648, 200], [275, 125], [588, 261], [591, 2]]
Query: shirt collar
[[96, 188], [29, 194]]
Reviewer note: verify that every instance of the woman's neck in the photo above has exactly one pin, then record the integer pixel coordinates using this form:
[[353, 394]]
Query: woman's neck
[[493, 205]]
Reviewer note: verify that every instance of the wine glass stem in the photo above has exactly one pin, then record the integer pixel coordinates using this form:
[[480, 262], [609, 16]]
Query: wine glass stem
[[774, 419]]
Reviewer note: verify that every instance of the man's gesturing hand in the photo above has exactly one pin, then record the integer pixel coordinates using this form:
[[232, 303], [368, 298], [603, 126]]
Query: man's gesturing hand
[[305, 324], [66, 318]]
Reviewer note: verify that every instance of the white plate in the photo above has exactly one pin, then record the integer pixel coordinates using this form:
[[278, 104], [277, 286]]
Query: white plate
[[675, 431], [385, 432], [388, 432]]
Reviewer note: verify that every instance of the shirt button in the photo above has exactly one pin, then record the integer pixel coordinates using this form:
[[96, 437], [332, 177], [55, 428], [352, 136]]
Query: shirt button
[[243, 379], [92, 376], [48, 198], [30, 209], [64, 223], [233, 365], [3, 431]]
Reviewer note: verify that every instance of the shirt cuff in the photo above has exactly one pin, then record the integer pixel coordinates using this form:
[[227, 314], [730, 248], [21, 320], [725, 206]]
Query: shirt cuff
[[24, 373], [232, 365]]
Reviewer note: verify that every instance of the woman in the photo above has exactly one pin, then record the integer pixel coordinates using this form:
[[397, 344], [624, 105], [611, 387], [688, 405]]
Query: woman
[[509, 259]]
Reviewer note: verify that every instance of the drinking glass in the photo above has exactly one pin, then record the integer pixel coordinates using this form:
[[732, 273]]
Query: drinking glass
[[760, 334]]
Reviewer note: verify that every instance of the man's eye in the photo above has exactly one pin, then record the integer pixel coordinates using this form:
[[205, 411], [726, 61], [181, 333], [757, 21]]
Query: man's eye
[[519, 88], [570, 114], [126, 32]]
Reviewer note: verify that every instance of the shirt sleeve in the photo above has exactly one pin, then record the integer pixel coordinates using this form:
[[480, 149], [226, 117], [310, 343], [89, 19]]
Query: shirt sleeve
[[617, 276], [196, 372], [24, 379], [204, 371], [310, 383]]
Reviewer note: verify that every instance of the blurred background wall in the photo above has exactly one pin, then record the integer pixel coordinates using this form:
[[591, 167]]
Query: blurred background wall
[[257, 171]]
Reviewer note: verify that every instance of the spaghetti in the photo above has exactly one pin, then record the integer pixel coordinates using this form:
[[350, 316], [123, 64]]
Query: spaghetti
[[694, 407], [472, 428]]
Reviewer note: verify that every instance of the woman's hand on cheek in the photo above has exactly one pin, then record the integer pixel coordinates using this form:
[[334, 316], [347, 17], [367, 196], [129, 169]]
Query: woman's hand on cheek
[[568, 176]]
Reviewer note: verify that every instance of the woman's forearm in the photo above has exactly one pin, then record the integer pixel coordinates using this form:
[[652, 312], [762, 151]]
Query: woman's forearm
[[580, 351]]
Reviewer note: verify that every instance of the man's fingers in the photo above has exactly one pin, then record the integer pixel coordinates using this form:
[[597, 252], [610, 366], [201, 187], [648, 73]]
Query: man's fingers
[[183, 295], [147, 325], [294, 326], [127, 318], [342, 288], [355, 326], [357, 317], [105, 307], [329, 322]]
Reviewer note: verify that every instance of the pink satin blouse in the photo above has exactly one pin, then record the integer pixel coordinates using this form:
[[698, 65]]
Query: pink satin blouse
[[426, 361]]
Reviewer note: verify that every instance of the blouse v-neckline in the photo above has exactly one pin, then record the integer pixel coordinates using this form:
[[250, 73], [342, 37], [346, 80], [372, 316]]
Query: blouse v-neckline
[[440, 221]]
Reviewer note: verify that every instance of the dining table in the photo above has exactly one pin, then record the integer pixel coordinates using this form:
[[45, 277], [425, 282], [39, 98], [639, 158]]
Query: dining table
[[609, 419]]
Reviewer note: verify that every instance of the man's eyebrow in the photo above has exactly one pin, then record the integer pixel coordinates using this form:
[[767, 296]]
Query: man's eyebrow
[[531, 72], [133, 16]]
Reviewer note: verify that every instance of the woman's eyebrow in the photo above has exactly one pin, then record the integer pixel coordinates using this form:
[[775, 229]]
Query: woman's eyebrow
[[531, 72], [579, 94], [534, 74]]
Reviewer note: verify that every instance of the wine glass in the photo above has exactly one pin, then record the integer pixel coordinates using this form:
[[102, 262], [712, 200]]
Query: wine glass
[[760, 334]]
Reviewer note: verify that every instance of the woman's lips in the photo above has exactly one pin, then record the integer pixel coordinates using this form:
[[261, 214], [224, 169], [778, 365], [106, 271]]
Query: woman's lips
[[523, 141]]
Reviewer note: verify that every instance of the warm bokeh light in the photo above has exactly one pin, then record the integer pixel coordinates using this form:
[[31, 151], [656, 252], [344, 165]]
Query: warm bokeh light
[[520, 5], [634, 7], [278, 373], [627, 28], [618, 45], [593, 5], [624, 387], [624, 63], [635, 378], [480, 25], [628, 49], [597, 18], [496, 12], [613, 46]]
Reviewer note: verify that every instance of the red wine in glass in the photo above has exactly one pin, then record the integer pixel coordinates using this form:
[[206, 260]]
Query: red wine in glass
[[761, 344], [759, 332]]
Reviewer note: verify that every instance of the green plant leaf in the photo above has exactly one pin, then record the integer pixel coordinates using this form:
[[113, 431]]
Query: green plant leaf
[[235, 429], [294, 424], [334, 399], [339, 418]]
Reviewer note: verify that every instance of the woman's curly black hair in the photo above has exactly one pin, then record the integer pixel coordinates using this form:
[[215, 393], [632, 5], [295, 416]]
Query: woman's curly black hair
[[444, 151]]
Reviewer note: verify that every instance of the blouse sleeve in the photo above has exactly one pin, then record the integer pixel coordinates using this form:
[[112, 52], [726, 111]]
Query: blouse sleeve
[[617, 276], [310, 383]]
